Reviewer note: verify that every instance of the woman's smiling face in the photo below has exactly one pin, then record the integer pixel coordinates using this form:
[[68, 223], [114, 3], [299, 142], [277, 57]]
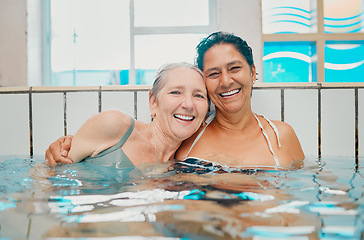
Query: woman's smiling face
[[181, 104], [229, 78]]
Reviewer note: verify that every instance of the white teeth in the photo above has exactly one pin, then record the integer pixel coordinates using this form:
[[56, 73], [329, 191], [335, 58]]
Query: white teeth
[[230, 93], [183, 117]]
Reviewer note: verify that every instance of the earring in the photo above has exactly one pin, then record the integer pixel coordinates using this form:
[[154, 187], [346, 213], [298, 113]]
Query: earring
[[152, 116]]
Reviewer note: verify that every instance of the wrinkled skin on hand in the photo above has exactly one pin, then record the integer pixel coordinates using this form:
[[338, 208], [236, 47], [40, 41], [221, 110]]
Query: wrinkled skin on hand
[[57, 152]]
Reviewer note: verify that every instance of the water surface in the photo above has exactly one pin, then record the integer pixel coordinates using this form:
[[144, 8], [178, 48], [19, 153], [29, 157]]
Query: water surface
[[322, 200]]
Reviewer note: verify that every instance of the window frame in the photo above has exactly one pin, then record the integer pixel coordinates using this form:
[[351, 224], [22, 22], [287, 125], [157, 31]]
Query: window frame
[[134, 31], [319, 38]]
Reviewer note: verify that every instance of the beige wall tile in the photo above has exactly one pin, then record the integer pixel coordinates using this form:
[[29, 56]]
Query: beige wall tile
[[301, 112], [361, 121], [48, 116], [14, 124], [267, 102], [143, 107], [123, 101], [338, 119], [80, 107]]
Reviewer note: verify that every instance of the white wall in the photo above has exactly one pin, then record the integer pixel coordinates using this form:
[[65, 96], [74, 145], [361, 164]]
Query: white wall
[[13, 43], [243, 18], [34, 44]]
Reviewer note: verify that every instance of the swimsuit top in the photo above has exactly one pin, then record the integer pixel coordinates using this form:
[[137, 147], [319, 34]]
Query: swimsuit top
[[275, 129], [114, 156]]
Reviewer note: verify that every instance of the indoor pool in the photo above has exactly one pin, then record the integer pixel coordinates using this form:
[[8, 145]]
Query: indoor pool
[[322, 200]]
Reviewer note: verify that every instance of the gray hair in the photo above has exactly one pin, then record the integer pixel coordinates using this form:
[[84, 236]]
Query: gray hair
[[161, 76]]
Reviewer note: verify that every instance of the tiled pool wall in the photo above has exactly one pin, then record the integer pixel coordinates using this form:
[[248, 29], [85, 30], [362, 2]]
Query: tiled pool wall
[[328, 118]]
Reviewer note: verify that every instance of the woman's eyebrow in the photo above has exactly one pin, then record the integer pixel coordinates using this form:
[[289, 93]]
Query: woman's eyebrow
[[212, 69], [179, 87], [227, 65], [233, 63]]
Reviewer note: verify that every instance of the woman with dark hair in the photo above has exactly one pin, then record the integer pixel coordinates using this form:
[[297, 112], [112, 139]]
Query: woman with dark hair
[[234, 135]]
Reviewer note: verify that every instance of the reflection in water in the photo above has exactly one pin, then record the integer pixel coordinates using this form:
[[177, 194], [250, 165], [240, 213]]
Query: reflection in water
[[321, 200]]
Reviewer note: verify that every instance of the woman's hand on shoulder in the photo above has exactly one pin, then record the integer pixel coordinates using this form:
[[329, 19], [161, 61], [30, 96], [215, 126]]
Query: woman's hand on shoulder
[[98, 133], [289, 140], [57, 151]]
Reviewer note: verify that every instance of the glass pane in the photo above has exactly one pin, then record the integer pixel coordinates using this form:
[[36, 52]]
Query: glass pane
[[344, 61], [90, 41], [343, 16], [288, 16], [161, 13], [152, 51], [289, 62]]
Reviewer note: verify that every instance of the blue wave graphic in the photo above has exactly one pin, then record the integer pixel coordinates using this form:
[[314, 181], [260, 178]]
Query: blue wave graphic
[[353, 23], [351, 31], [291, 14], [344, 62], [342, 25], [343, 19], [292, 55], [285, 32], [289, 62], [290, 21], [284, 17], [351, 54], [293, 8], [286, 66]]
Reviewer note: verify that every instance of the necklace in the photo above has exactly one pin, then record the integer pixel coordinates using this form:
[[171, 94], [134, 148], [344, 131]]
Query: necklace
[[155, 146]]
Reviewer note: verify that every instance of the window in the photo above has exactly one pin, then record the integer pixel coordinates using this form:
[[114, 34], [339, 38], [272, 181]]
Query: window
[[105, 42], [313, 40]]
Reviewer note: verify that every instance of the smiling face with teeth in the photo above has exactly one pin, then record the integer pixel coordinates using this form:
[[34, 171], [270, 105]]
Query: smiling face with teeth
[[181, 104], [229, 78]]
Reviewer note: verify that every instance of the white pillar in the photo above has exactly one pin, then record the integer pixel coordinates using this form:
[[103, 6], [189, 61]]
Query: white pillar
[[243, 18]]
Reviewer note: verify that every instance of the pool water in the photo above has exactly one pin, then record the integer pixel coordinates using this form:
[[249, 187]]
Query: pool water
[[321, 200]]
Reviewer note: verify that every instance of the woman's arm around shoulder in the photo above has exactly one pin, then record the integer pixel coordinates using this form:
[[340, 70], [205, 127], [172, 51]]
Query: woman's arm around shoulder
[[289, 140], [98, 133]]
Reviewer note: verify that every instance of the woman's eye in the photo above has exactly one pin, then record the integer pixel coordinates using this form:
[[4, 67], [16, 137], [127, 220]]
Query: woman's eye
[[199, 96], [213, 75], [235, 69], [175, 92]]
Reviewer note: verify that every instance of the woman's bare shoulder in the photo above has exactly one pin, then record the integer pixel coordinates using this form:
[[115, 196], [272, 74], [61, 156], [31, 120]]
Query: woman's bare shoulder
[[284, 128], [289, 140], [113, 123]]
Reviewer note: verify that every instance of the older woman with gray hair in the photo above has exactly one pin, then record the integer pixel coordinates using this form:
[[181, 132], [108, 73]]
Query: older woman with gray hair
[[178, 105]]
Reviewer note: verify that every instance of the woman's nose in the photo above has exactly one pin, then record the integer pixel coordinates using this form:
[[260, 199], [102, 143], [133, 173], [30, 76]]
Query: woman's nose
[[225, 79], [187, 102]]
